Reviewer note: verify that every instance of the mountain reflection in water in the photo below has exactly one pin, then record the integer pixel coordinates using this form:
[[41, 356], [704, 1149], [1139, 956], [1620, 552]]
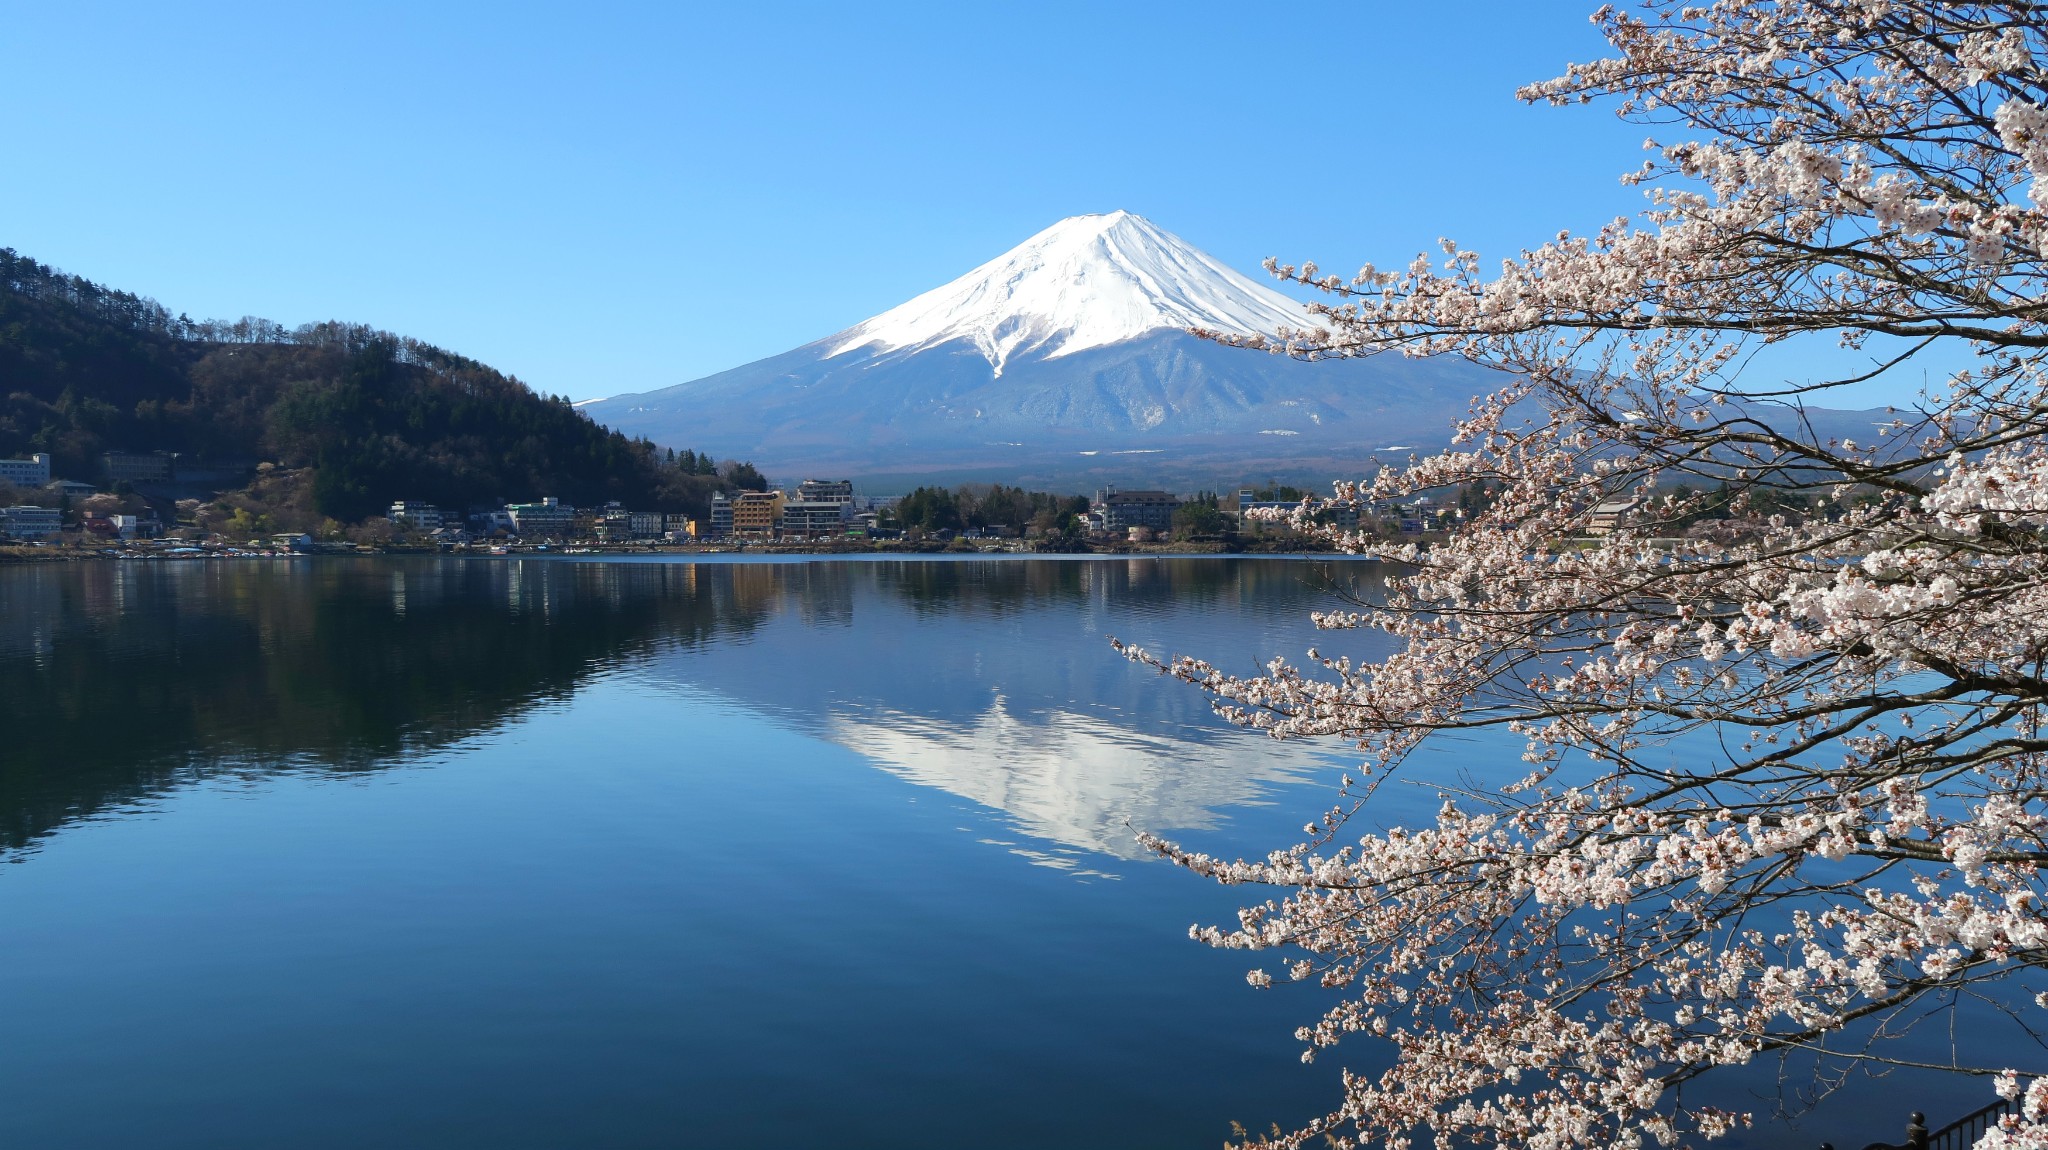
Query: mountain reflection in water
[[992, 680]]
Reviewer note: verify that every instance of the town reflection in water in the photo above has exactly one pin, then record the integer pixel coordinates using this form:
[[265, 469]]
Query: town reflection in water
[[991, 680]]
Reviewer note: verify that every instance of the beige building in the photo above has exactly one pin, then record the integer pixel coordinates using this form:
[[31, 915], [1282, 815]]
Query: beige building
[[756, 512], [1613, 515], [1123, 510]]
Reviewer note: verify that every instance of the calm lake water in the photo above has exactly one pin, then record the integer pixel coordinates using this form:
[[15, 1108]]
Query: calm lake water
[[545, 853], [548, 853]]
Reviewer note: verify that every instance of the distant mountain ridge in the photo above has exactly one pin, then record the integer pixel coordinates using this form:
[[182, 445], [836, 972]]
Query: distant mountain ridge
[[1066, 358], [1067, 361]]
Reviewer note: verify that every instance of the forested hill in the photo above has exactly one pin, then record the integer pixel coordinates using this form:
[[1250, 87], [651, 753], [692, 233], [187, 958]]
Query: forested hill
[[86, 369]]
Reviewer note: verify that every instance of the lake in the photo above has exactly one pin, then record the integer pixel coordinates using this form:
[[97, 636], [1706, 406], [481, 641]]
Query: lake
[[349, 852], [332, 852]]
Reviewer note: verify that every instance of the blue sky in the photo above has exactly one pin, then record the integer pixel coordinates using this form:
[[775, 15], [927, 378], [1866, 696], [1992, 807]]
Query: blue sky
[[603, 198]]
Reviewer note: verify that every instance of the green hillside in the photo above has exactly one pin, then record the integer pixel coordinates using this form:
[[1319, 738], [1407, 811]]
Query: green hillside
[[85, 369]]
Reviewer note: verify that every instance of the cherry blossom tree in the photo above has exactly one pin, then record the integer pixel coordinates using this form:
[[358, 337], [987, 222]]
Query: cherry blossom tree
[[1784, 782]]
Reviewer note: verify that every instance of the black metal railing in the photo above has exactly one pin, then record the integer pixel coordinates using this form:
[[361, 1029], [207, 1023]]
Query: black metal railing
[[1961, 1134], [1964, 1132]]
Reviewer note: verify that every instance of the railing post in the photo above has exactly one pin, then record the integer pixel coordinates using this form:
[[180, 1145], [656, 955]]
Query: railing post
[[1916, 1132]]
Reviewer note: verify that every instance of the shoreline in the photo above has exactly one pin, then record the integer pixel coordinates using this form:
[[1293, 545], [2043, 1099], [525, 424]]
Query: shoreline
[[17, 554]]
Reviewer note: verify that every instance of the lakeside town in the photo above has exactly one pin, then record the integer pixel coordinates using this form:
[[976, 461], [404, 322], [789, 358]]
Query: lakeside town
[[151, 504]]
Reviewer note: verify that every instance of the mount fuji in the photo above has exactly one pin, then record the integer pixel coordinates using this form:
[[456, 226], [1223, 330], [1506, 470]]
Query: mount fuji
[[1065, 359]]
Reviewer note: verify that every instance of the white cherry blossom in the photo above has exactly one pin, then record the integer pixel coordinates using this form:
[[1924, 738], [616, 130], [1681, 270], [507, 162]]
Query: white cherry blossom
[[1777, 784]]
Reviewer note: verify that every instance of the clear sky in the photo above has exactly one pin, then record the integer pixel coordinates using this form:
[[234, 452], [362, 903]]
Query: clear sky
[[602, 198]]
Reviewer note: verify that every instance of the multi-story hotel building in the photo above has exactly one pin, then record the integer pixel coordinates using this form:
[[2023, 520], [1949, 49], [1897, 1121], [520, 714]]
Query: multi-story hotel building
[[548, 518], [26, 522], [31, 472], [757, 513]]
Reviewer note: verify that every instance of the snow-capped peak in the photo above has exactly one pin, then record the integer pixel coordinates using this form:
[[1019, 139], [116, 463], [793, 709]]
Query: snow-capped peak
[[1084, 282]]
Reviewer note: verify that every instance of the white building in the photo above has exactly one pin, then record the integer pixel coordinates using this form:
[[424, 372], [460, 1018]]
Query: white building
[[721, 514], [814, 518], [415, 516], [25, 522], [825, 491], [548, 518], [31, 472], [136, 526], [487, 523]]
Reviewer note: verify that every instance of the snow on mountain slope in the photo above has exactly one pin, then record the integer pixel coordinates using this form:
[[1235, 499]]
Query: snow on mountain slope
[[1059, 358], [1085, 282]]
